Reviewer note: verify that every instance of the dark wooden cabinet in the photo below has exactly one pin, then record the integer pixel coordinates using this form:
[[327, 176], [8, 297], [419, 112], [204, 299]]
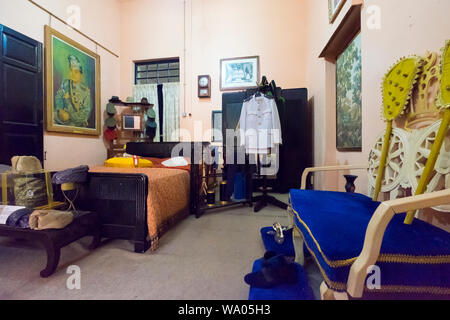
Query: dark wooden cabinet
[[296, 152]]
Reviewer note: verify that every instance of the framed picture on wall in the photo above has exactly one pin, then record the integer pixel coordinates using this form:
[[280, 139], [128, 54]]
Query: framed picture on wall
[[217, 126], [72, 86], [239, 73], [334, 7], [348, 98]]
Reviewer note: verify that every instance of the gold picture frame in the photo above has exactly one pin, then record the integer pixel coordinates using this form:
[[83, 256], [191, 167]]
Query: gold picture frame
[[334, 7], [72, 78]]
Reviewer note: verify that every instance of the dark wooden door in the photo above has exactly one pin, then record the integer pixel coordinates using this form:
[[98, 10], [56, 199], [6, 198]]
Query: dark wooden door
[[296, 152], [21, 96]]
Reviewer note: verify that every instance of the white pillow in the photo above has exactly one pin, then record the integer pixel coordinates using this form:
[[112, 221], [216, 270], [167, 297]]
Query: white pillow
[[175, 162]]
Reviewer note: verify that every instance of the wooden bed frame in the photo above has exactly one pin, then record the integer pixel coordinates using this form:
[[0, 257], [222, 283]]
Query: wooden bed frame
[[121, 199]]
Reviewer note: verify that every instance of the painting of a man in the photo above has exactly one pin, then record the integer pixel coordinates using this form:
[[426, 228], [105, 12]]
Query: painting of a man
[[73, 105], [73, 86]]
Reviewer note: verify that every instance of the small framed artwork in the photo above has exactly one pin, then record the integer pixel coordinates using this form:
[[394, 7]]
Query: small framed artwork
[[348, 98], [334, 7], [239, 73], [217, 126], [132, 122], [72, 86]]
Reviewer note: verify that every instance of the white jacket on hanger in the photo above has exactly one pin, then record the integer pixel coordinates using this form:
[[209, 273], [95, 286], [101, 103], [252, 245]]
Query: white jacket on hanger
[[260, 128]]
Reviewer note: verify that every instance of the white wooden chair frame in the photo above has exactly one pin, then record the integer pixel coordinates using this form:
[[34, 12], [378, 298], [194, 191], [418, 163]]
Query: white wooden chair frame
[[374, 233]]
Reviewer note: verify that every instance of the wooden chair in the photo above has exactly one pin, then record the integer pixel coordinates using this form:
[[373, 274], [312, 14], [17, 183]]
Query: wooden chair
[[348, 234]]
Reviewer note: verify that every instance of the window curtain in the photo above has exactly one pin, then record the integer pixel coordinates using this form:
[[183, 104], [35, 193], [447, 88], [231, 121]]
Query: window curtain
[[171, 112], [149, 91]]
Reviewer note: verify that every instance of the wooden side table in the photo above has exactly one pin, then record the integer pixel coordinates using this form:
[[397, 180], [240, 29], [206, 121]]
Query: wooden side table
[[83, 224]]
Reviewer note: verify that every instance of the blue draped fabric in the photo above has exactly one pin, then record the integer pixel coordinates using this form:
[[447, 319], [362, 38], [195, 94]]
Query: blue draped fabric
[[414, 258]]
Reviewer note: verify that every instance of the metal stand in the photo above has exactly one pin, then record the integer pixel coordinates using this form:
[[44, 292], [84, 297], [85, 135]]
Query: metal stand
[[265, 199], [199, 206]]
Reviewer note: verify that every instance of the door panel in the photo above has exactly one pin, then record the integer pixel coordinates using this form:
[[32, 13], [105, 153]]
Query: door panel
[[296, 151], [19, 144], [20, 51], [21, 96], [20, 89], [231, 112]]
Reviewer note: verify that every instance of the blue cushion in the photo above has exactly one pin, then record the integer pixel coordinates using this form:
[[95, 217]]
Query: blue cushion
[[299, 291], [413, 258]]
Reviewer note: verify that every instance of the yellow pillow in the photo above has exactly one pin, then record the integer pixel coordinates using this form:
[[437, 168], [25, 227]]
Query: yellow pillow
[[127, 163]]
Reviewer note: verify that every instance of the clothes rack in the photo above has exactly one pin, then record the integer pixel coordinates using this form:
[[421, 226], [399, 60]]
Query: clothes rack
[[265, 199]]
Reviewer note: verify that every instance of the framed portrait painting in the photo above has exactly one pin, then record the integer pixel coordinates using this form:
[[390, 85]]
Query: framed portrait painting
[[239, 73], [334, 7], [72, 86], [348, 98]]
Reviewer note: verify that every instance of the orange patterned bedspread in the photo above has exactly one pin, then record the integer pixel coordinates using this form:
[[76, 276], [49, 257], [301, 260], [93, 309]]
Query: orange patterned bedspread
[[168, 197]]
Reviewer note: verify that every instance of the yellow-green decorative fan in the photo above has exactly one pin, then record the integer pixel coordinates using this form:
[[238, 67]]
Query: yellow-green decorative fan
[[443, 98], [443, 103], [398, 85]]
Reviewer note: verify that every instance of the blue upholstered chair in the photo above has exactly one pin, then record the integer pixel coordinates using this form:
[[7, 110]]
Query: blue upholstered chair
[[347, 233], [364, 248]]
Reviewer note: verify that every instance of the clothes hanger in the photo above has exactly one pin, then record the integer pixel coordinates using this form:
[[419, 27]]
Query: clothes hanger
[[263, 87]]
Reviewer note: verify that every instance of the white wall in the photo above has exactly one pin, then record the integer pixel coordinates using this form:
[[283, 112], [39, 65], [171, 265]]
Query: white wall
[[407, 27], [214, 29], [100, 20]]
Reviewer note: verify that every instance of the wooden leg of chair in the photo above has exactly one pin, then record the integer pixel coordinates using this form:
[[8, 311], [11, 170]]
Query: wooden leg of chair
[[340, 295], [329, 294], [297, 240], [290, 219], [325, 292]]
